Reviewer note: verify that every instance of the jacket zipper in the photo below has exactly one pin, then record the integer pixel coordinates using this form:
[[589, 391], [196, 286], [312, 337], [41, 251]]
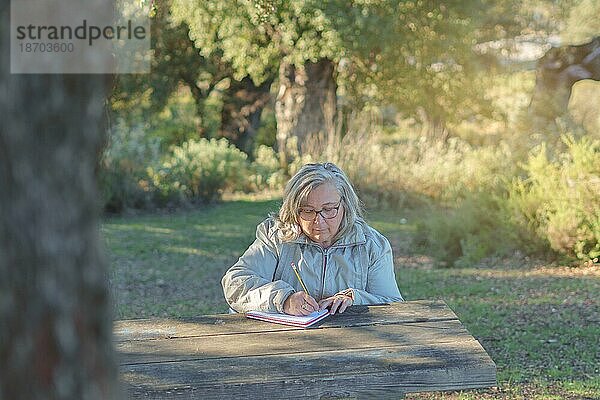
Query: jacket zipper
[[324, 269]]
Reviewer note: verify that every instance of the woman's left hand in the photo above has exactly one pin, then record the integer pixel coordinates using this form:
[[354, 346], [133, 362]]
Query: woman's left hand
[[336, 303]]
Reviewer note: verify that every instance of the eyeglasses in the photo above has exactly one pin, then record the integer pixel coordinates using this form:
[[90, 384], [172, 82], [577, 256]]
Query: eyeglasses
[[308, 214]]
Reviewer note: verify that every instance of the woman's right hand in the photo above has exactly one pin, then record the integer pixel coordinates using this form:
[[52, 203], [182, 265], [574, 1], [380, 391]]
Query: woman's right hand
[[300, 303]]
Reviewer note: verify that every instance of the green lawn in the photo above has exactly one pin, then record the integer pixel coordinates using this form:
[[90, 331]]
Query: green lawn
[[541, 325]]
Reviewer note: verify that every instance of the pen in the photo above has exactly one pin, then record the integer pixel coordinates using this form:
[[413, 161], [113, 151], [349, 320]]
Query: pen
[[299, 278]]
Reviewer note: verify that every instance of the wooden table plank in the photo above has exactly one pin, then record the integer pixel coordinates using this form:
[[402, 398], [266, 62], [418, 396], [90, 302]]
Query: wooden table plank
[[288, 342], [223, 324], [387, 371], [370, 352]]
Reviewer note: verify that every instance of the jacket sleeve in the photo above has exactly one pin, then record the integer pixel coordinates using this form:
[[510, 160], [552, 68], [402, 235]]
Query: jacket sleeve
[[381, 279], [248, 284]]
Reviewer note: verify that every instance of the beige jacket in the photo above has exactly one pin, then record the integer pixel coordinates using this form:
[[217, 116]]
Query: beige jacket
[[262, 279]]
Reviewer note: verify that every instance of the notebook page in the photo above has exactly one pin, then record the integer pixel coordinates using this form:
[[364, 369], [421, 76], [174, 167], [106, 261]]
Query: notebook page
[[288, 319]]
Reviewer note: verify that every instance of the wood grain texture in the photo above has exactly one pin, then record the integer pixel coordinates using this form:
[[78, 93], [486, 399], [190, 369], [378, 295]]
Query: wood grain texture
[[373, 352], [224, 324], [416, 368], [291, 342]]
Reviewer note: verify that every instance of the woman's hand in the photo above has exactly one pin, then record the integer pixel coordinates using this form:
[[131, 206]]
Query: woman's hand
[[336, 303], [300, 303]]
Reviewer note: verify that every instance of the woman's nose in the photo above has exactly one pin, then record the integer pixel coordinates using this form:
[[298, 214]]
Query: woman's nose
[[319, 219]]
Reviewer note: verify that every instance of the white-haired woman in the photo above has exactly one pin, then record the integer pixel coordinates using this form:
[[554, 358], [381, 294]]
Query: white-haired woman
[[316, 252]]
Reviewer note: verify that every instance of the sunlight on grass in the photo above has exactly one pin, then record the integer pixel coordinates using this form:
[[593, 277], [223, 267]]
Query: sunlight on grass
[[186, 250]]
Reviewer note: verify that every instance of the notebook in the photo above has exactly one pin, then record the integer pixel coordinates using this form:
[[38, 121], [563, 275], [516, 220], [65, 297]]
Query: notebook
[[286, 319]]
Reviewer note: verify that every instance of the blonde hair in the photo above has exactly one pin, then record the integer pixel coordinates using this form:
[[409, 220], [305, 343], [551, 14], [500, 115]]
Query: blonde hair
[[299, 187]]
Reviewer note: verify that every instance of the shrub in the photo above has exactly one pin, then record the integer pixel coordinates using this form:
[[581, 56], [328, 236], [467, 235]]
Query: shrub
[[177, 121], [461, 236], [265, 171], [122, 174], [558, 200], [199, 170]]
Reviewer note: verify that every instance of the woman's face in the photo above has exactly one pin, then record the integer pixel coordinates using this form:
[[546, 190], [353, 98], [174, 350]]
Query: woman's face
[[323, 198]]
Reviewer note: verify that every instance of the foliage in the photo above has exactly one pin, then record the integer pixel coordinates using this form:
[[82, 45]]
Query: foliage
[[255, 41], [265, 171], [198, 171], [386, 51], [403, 52], [177, 122], [178, 119], [122, 174], [486, 212], [463, 235], [558, 199], [176, 63], [583, 23], [267, 133]]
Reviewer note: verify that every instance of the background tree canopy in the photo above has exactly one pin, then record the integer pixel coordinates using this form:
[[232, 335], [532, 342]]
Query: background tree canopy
[[399, 53]]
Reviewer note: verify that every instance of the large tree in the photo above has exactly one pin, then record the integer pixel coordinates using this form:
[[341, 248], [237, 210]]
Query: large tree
[[55, 314], [416, 55], [293, 40]]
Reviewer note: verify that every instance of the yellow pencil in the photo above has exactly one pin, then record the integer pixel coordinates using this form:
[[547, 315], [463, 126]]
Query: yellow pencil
[[299, 278]]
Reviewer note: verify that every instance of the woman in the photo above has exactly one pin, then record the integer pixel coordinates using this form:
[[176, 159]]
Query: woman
[[316, 253]]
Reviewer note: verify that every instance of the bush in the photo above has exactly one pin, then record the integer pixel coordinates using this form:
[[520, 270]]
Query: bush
[[177, 122], [199, 171], [122, 174], [462, 236], [554, 205], [265, 171], [558, 200]]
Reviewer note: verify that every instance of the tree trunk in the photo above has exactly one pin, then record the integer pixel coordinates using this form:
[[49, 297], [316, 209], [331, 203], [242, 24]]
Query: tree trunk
[[55, 314], [557, 71], [243, 104], [306, 103], [433, 128]]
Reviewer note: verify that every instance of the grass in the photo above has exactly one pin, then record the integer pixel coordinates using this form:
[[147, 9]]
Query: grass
[[539, 324], [171, 264]]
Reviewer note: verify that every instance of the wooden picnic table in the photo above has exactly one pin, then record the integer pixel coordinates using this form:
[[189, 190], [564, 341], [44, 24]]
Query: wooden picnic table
[[367, 352]]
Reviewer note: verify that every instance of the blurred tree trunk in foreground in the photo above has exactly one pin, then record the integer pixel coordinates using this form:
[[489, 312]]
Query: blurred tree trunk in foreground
[[55, 314], [557, 71]]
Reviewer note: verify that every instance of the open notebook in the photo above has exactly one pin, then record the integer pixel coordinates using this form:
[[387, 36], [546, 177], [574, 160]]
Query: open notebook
[[285, 319]]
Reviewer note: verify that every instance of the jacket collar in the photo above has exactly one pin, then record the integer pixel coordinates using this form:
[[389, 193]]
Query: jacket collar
[[355, 236]]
